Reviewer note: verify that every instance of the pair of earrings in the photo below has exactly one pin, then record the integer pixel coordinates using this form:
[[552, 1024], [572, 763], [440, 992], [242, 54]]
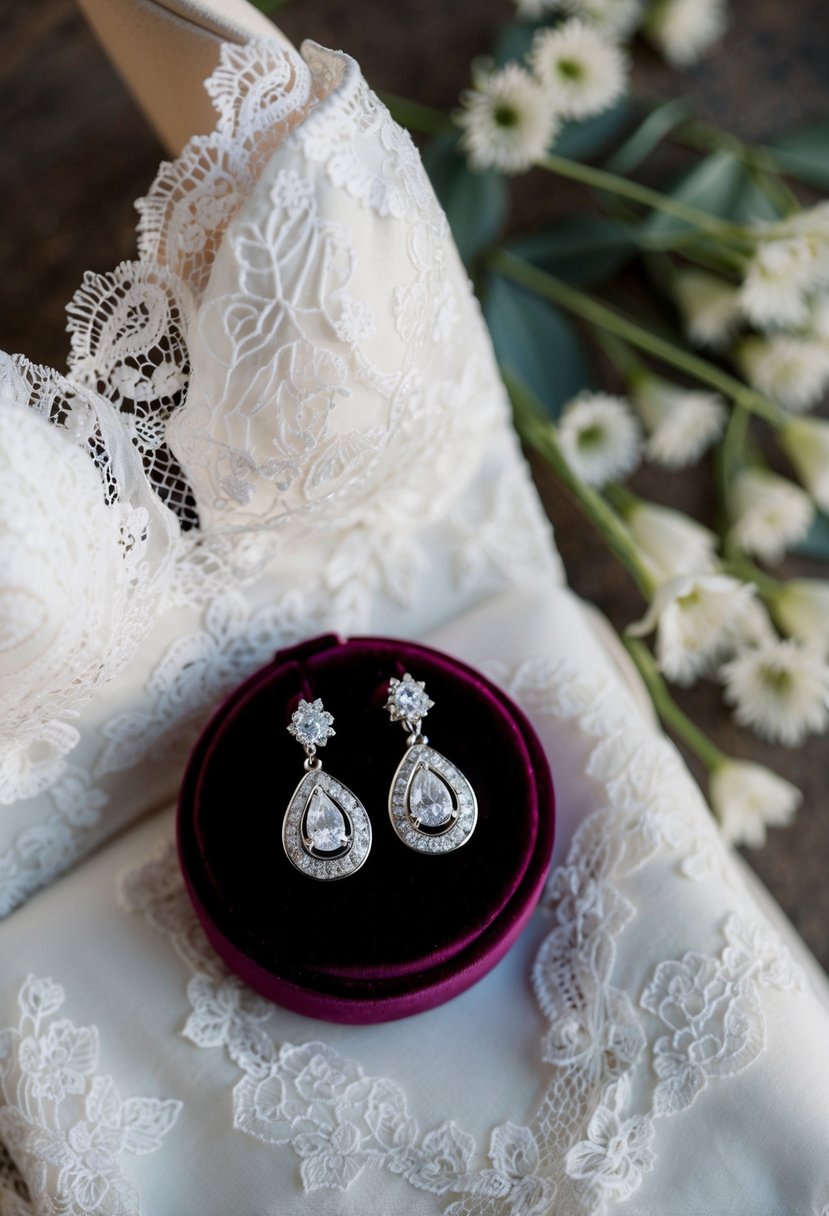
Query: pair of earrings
[[326, 832]]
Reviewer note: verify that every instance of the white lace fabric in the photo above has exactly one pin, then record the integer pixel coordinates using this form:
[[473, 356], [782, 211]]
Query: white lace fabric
[[284, 417], [293, 407]]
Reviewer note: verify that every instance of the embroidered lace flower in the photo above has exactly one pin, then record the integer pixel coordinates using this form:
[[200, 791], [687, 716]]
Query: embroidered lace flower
[[695, 616], [65, 1126], [683, 29], [506, 119], [780, 689], [582, 71], [748, 798], [710, 307], [770, 513], [599, 437], [680, 423], [806, 443]]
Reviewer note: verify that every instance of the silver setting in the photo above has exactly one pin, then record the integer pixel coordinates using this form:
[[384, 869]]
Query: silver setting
[[432, 806], [326, 832], [298, 848]]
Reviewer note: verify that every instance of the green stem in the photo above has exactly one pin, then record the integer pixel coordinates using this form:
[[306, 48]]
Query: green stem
[[626, 363], [741, 567], [669, 711], [599, 315], [600, 179], [415, 116], [729, 463], [538, 432]]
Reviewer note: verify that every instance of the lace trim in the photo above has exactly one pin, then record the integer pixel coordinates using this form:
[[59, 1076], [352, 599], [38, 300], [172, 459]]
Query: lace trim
[[587, 1145], [64, 1126], [86, 551]]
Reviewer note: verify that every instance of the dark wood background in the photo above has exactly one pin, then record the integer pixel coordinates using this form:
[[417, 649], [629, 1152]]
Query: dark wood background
[[75, 153]]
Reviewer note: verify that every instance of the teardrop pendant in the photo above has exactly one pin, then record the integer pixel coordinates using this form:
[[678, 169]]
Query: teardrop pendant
[[432, 806], [326, 832]]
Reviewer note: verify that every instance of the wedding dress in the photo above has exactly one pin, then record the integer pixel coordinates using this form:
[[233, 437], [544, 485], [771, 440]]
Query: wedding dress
[[284, 418]]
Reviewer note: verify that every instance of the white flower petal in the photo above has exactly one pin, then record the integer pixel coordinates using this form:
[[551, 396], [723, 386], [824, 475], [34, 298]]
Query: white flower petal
[[599, 437], [747, 798], [506, 118], [581, 70], [780, 689], [771, 513]]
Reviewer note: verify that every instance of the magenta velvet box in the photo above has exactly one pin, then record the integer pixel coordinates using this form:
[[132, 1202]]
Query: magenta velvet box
[[407, 931]]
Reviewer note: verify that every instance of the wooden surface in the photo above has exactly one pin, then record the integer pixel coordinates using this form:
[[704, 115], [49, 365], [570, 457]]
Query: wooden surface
[[74, 153]]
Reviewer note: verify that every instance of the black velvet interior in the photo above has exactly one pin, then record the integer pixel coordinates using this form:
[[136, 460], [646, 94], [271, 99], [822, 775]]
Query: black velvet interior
[[403, 913]]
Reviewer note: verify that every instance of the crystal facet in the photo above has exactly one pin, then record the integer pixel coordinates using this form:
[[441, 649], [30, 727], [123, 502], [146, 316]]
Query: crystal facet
[[429, 799], [408, 700], [311, 724], [325, 825]]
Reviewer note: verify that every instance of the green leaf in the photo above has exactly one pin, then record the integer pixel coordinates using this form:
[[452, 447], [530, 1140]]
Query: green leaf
[[816, 541], [476, 204], [588, 138], [514, 42], [804, 154], [534, 341], [722, 185], [648, 135], [579, 250]]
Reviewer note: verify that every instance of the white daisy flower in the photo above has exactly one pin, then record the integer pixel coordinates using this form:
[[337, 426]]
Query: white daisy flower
[[802, 609], [581, 70], [683, 29], [792, 370], [695, 617], [771, 513], [748, 798], [599, 437], [617, 18], [671, 542], [680, 423], [778, 279], [780, 689], [507, 119], [709, 305], [806, 442]]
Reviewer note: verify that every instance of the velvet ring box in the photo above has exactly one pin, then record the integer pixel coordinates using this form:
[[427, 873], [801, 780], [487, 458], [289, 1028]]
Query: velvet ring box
[[407, 931]]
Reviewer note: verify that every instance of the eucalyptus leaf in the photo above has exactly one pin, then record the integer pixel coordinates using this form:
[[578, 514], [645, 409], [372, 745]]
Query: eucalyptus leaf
[[589, 137], [804, 154], [583, 250], [721, 185], [476, 204], [648, 135], [816, 541], [535, 342], [514, 42]]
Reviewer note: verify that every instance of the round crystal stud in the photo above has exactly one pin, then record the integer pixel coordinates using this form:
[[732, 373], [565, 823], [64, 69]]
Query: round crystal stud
[[311, 724], [408, 700]]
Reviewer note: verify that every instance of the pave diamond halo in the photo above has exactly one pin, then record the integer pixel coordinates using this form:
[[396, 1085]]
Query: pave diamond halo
[[432, 806], [326, 833]]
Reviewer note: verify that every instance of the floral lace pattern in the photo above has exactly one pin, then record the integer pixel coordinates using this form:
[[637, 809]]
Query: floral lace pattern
[[614, 1070], [63, 1125], [270, 426]]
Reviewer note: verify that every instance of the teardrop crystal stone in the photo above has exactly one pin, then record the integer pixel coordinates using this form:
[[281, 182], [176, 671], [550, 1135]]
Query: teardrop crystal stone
[[429, 800], [325, 825]]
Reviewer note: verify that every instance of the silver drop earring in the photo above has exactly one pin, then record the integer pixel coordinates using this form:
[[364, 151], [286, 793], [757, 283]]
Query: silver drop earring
[[432, 806], [326, 832]]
